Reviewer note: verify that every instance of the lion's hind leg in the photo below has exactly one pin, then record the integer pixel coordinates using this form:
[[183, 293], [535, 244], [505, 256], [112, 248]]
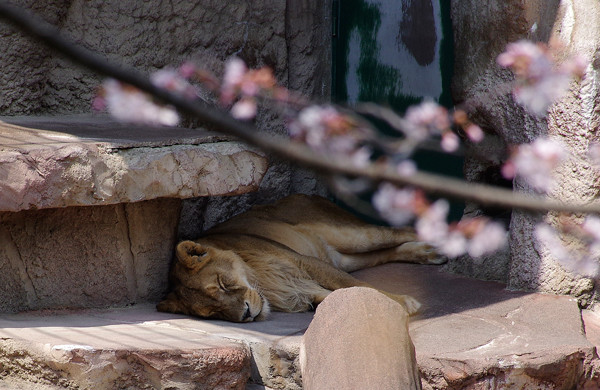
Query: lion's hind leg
[[410, 252], [366, 245], [331, 278]]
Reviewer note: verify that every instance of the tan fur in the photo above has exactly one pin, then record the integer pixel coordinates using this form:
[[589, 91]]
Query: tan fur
[[288, 256]]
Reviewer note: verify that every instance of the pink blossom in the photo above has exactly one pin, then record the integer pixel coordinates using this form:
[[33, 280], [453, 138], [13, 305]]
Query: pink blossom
[[539, 81], [581, 262], [594, 154], [548, 237], [431, 225], [450, 142], [535, 162], [406, 168], [539, 96], [591, 226], [428, 113], [429, 118], [454, 244], [488, 239], [235, 70], [395, 205], [311, 125], [476, 236], [326, 129], [128, 104], [247, 85], [360, 157], [474, 133], [244, 109], [187, 70], [509, 170], [238, 80], [99, 103], [314, 118], [426, 117], [171, 80], [575, 66], [526, 59]]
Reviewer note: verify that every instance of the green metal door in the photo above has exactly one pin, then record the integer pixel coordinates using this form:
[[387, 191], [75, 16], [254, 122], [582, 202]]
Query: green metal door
[[396, 53]]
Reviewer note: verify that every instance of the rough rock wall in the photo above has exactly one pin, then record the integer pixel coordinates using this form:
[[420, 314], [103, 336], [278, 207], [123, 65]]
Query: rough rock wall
[[146, 35], [482, 30]]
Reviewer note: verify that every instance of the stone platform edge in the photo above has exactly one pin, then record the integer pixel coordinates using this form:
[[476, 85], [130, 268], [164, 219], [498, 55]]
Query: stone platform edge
[[88, 160]]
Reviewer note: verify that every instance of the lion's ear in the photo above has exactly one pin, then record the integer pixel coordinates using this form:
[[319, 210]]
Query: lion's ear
[[192, 255], [172, 304]]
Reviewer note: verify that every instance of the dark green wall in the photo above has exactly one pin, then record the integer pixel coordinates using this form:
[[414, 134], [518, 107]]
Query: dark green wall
[[396, 53]]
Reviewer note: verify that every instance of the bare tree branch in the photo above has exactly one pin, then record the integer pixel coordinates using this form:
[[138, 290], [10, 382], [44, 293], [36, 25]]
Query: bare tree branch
[[280, 146]]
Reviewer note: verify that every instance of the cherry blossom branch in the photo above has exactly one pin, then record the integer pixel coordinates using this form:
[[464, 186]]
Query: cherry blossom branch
[[278, 145]]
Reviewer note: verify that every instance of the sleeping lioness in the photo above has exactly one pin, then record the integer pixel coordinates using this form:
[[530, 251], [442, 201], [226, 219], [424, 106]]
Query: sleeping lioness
[[286, 257]]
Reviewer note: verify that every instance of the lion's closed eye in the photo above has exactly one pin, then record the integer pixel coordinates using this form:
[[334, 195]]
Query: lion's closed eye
[[223, 285]]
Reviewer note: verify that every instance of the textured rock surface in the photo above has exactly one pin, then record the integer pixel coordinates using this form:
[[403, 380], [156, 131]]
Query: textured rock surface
[[118, 349], [474, 334], [86, 256], [87, 161], [573, 120], [359, 339], [148, 36]]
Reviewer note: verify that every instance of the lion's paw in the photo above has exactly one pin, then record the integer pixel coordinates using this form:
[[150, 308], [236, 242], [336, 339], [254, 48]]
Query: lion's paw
[[411, 305], [438, 259], [424, 253]]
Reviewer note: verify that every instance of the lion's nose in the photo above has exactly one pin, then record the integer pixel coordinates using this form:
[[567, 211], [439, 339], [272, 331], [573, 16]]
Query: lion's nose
[[246, 313]]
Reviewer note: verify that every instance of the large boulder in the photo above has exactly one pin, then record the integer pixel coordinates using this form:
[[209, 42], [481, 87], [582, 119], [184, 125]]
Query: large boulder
[[359, 339]]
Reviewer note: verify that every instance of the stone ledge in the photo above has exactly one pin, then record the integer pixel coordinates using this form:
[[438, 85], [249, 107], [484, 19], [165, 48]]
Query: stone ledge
[[85, 160]]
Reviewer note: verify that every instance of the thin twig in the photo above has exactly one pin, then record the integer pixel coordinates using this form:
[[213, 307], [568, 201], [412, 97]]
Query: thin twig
[[407, 146], [280, 146]]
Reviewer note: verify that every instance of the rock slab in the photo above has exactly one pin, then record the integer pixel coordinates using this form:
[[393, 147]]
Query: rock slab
[[115, 351], [359, 339], [91, 160]]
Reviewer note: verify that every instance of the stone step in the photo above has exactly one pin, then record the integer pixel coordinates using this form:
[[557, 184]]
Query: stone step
[[90, 160], [138, 348], [131, 348], [471, 334]]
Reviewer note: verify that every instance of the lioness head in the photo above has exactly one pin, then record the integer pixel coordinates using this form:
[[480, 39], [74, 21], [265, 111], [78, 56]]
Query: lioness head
[[213, 283]]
